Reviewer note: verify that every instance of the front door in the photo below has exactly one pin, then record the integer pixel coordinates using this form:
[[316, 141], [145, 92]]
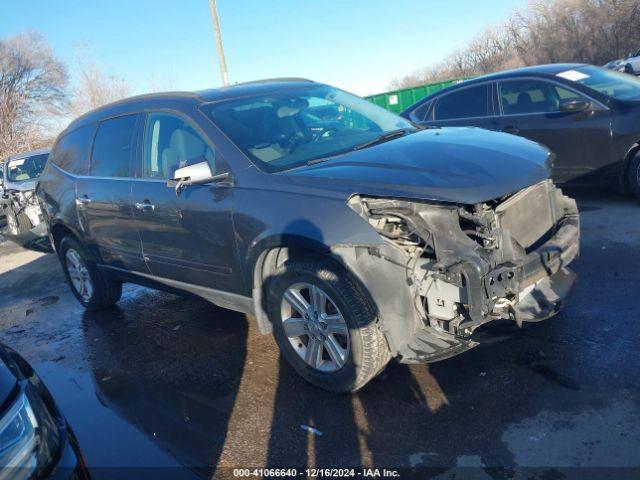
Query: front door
[[103, 198], [581, 141], [189, 237]]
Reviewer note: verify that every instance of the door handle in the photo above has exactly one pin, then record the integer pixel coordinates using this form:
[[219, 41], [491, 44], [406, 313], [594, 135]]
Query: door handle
[[83, 200], [145, 206], [511, 129]]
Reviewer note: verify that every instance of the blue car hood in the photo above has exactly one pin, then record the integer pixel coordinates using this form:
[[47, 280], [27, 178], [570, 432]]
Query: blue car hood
[[460, 165]]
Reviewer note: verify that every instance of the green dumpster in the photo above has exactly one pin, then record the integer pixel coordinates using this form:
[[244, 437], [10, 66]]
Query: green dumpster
[[398, 100]]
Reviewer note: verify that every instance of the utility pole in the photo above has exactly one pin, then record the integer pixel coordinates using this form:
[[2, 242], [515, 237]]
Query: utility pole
[[216, 28]]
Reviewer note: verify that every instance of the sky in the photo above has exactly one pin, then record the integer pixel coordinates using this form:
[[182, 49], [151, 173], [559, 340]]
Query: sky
[[356, 45]]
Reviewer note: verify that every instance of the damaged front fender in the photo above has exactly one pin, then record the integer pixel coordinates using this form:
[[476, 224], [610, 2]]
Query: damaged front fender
[[466, 265]]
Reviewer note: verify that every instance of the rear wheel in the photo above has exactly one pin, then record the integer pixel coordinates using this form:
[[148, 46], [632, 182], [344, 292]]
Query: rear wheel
[[91, 287], [324, 324], [633, 175]]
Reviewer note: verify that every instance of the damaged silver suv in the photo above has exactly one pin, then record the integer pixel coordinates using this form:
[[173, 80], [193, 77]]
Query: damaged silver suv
[[18, 201], [346, 231]]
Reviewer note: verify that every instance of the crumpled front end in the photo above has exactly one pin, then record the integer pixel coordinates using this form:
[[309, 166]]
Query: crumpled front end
[[467, 265], [24, 221]]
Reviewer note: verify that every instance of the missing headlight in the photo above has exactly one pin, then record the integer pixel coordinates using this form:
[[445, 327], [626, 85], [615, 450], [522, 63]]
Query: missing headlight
[[391, 223]]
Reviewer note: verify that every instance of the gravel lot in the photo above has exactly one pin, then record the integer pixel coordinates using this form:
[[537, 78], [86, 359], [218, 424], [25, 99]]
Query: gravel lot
[[165, 381]]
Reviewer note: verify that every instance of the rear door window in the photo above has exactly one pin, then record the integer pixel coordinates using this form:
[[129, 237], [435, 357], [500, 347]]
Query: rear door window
[[71, 153], [113, 146], [465, 103]]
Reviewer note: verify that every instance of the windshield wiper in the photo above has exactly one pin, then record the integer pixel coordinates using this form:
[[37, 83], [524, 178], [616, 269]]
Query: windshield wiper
[[382, 138]]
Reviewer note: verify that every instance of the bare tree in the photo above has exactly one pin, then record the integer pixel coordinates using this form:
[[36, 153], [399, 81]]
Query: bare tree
[[547, 31], [93, 87], [33, 95]]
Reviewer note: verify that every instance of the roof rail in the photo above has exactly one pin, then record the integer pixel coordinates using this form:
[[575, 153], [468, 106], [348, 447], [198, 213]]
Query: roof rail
[[281, 79]]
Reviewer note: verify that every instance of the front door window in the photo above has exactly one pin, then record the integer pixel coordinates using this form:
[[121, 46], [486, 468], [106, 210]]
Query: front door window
[[172, 143]]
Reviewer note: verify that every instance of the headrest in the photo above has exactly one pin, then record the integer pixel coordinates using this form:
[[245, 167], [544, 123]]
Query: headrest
[[291, 107]]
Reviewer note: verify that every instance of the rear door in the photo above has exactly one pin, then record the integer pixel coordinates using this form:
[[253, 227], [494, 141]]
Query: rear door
[[581, 141], [466, 106], [187, 238], [103, 198]]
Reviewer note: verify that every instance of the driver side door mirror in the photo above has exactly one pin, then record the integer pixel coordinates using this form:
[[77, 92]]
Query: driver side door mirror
[[574, 105], [197, 174]]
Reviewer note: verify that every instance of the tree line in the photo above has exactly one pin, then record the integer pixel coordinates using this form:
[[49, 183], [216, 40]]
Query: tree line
[[545, 31]]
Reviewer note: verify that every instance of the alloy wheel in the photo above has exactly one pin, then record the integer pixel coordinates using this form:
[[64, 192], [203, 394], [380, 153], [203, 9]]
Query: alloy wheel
[[315, 327], [79, 275]]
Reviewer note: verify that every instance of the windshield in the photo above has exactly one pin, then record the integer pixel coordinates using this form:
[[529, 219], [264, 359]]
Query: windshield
[[26, 168], [620, 86], [286, 129]]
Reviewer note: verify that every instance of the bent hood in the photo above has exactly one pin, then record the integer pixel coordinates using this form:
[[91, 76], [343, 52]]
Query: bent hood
[[460, 165]]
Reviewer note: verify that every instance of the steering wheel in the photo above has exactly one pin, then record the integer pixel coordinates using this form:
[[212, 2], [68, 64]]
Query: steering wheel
[[323, 132]]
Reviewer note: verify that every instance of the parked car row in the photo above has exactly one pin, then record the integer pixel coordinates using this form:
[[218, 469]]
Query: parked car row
[[352, 234]]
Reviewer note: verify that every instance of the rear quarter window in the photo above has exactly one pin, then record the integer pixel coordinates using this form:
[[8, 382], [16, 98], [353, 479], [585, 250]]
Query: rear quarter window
[[423, 112], [71, 152]]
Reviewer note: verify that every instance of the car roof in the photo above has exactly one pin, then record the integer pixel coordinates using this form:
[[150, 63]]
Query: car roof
[[31, 153], [548, 69], [203, 96]]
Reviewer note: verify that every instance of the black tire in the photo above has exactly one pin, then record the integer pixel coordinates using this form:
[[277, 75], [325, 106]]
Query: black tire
[[368, 353], [105, 291], [633, 175]]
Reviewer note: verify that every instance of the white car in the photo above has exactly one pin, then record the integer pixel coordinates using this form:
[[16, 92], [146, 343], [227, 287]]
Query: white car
[[631, 64]]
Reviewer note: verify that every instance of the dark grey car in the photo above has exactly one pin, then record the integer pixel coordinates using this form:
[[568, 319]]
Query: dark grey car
[[352, 235]]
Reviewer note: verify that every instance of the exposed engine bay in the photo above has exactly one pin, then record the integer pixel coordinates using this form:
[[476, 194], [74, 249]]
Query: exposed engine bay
[[22, 211], [24, 220], [470, 264]]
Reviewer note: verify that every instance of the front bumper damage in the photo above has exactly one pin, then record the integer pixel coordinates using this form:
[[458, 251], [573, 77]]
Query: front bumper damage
[[467, 265], [24, 221]]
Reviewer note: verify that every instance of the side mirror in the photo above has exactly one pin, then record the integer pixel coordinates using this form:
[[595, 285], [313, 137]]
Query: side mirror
[[196, 174], [574, 105]]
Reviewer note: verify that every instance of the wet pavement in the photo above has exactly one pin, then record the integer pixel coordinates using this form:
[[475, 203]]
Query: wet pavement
[[166, 381]]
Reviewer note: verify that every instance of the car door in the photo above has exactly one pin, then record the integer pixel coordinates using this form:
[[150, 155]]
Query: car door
[[466, 106], [103, 198], [581, 141], [189, 237]]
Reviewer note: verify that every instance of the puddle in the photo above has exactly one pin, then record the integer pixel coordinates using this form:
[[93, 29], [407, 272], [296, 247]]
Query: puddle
[[106, 440], [606, 437]]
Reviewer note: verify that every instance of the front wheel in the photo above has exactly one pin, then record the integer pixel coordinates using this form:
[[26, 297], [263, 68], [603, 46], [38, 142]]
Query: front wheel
[[90, 286], [633, 175], [325, 325]]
